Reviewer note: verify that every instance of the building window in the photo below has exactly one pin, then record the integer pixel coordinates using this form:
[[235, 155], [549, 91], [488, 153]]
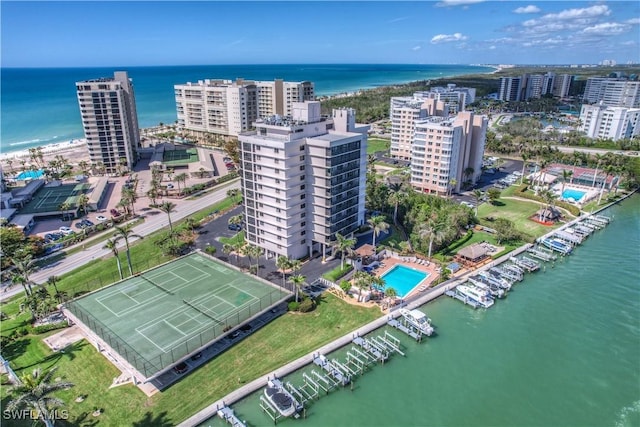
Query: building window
[[302, 196]]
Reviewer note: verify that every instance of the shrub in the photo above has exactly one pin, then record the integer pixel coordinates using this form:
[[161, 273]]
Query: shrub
[[337, 273], [293, 306], [49, 327], [345, 286], [210, 250], [307, 305]]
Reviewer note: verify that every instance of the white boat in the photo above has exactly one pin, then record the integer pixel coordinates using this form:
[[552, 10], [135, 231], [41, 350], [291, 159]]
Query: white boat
[[419, 320], [280, 398], [476, 295]]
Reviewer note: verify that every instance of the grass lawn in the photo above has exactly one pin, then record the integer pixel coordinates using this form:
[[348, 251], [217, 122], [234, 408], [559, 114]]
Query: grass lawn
[[283, 340], [517, 211], [377, 144]]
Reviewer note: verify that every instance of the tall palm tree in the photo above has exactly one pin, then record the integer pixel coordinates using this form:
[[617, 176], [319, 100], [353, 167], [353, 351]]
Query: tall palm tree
[[168, 208], [255, 252], [433, 230], [344, 245], [228, 249], [283, 263], [598, 158], [24, 265], [180, 178], [64, 207], [378, 225], [52, 280], [477, 194], [35, 392], [83, 202], [397, 195], [525, 157], [298, 280], [112, 245], [236, 220], [125, 233], [130, 197], [566, 175]]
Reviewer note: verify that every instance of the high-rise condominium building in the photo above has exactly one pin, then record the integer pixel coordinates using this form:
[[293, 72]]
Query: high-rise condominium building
[[601, 121], [510, 89], [612, 92], [227, 108], [447, 152], [404, 112], [303, 180], [455, 98], [110, 121], [562, 85]]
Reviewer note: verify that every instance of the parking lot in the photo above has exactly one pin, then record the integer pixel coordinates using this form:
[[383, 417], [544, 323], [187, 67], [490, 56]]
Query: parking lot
[[500, 178]]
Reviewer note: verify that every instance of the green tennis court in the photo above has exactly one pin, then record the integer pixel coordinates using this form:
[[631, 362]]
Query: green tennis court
[[158, 317], [49, 199], [180, 156]]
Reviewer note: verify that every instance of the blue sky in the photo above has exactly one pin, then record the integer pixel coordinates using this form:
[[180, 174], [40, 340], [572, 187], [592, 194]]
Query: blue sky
[[66, 34]]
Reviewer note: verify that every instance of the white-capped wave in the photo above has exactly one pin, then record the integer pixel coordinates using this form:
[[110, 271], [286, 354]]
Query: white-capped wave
[[31, 141], [629, 415]]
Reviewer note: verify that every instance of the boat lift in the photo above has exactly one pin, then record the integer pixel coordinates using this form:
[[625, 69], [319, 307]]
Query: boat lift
[[229, 416], [526, 263], [457, 295], [542, 254], [568, 237]]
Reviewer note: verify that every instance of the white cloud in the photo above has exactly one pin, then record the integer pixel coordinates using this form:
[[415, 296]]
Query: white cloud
[[607, 29], [446, 38], [492, 47], [403, 18], [448, 3], [632, 21], [416, 48], [527, 9], [571, 14]]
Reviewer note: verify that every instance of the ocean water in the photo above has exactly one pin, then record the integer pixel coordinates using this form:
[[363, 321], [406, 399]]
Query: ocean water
[[39, 105], [562, 349]]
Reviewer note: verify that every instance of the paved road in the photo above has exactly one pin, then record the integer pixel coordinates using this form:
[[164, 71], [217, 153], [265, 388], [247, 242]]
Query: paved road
[[152, 222]]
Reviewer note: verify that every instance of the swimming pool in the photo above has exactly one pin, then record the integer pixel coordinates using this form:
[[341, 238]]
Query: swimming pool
[[403, 279], [574, 194], [29, 175]]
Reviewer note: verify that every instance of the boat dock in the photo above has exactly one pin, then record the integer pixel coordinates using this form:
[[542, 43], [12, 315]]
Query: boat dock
[[230, 417], [461, 297], [526, 263], [333, 370], [542, 254]]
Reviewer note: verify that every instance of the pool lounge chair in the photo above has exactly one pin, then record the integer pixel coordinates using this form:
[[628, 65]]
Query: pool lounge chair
[[422, 288]]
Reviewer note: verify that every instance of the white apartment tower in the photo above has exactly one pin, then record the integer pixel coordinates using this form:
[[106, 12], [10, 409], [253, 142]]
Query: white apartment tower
[[604, 122], [612, 92], [303, 180], [228, 108], [404, 112], [447, 151], [561, 85], [510, 89], [110, 121]]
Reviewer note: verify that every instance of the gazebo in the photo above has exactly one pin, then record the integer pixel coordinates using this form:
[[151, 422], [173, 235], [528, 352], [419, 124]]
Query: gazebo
[[473, 253], [548, 214]]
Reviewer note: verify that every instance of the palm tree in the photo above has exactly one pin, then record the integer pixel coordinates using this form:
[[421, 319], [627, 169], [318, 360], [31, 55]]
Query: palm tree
[[477, 194], [52, 280], [378, 225], [228, 249], [112, 245], [298, 280], [254, 251], [83, 202], [433, 230], [236, 220], [549, 198], [390, 293], [599, 158], [566, 174], [34, 392], [129, 197], [125, 233], [344, 245], [180, 178], [168, 208], [152, 194], [525, 157], [24, 265], [396, 196], [452, 184], [283, 263], [64, 207]]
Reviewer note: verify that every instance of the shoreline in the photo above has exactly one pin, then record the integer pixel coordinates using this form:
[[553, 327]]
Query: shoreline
[[48, 149], [58, 147]]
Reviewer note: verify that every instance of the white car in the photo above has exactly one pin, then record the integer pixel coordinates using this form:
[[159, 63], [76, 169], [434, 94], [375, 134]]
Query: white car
[[65, 230], [101, 218], [467, 204]]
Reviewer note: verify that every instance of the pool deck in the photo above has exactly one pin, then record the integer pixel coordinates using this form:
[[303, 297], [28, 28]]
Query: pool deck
[[389, 262]]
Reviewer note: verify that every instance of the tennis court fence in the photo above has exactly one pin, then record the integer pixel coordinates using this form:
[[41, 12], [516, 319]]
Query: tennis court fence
[[149, 366]]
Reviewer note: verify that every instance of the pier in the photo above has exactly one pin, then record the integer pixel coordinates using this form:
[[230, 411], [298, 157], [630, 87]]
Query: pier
[[542, 254], [461, 297], [230, 417]]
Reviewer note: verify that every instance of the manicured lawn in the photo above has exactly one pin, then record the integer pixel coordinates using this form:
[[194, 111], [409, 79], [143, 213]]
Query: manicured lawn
[[377, 144], [283, 340], [517, 211]]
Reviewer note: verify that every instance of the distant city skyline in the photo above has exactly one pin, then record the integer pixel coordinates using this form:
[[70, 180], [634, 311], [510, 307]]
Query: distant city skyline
[[91, 34]]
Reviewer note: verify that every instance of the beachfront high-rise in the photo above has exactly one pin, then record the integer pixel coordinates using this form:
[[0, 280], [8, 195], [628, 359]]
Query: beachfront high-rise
[[303, 180], [227, 108], [612, 92], [605, 122], [110, 121]]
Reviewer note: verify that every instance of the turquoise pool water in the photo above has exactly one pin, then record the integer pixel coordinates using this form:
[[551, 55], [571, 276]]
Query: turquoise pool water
[[29, 175], [403, 279], [573, 194]]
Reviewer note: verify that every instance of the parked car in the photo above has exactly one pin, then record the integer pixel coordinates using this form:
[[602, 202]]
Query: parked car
[[235, 227], [101, 218], [115, 212], [170, 186], [467, 204], [66, 230]]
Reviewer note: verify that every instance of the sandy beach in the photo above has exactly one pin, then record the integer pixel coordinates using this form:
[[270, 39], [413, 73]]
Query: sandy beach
[[74, 150]]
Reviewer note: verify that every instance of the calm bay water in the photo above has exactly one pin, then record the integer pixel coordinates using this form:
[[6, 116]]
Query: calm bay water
[[39, 106], [563, 349]]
